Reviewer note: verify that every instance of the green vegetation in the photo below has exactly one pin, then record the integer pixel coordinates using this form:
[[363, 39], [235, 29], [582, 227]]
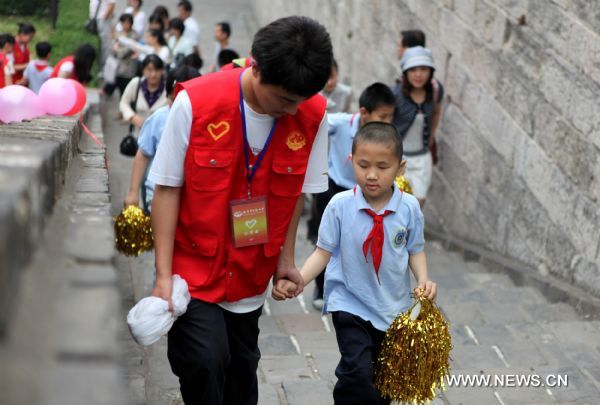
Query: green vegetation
[[69, 33]]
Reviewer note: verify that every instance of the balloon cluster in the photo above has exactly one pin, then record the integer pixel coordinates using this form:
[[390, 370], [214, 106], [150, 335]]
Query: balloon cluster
[[57, 97]]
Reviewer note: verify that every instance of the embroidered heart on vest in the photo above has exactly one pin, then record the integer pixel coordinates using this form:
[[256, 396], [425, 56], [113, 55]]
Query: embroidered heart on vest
[[218, 130]]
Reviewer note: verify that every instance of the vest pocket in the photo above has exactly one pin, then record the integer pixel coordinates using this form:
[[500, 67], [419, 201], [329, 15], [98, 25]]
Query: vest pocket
[[212, 169], [195, 257], [287, 176]]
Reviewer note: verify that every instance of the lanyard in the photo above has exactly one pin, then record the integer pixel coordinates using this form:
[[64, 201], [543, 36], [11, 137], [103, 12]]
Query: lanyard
[[251, 169]]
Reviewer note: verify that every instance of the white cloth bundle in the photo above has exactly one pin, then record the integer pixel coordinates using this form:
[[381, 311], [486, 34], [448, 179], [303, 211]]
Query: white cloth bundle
[[150, 318]]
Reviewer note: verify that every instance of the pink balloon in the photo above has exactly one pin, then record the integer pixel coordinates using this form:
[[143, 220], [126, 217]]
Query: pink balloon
[[18, 103], [81, 97], [58, 96]]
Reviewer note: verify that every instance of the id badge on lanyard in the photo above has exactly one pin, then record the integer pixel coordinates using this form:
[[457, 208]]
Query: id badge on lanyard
[[249, 225]]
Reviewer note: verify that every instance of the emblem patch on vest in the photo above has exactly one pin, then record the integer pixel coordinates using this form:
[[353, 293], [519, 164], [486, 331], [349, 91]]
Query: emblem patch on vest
[[218, 130], [400, 237], [295, 141]]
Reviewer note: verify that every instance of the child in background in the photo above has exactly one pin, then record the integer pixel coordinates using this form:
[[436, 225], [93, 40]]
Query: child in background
[[369, 236], [148, 142], [6, 66], [227, 56], [376, 103], [24, 35], [337, 94], [38, 70]]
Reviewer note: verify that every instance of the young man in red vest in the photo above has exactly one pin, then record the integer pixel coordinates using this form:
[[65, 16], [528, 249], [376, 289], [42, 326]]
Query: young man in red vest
[[238, 150]]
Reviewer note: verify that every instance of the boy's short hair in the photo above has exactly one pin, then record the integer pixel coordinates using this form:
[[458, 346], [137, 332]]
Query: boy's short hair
[[187, 6], [177, 23], [412, 38], [126, 17], [43, 49], [294, 53], [178, 75], [375, 96], [379, 132], [193, 60], [6, 38], [25, 28], [227, 56], [225, 27]]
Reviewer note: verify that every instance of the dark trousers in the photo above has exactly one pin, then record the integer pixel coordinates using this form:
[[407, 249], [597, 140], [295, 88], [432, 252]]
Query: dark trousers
[[359, 343], [215, 354], [320, 201]]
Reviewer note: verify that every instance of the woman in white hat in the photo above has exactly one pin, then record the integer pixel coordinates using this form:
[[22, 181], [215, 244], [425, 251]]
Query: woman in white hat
[[417, 115]]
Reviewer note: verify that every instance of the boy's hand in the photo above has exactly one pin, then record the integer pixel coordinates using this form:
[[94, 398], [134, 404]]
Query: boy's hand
[[428, 289], [283, 289]]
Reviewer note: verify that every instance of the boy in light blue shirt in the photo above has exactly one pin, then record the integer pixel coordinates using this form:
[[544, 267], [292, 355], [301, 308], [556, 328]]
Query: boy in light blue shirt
[[368, 238], [376, 103], [148, 142]]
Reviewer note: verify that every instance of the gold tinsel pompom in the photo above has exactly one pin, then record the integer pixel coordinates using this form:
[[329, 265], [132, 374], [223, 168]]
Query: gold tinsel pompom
[[403, 184], [414, 357], [133, 231]]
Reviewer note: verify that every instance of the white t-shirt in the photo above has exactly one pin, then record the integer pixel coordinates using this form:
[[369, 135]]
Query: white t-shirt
[[192, 30], [103, 6], [167, 167], [66, 68]]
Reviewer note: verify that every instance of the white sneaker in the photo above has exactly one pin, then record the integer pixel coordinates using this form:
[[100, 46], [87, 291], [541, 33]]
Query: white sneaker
[[317, 303]]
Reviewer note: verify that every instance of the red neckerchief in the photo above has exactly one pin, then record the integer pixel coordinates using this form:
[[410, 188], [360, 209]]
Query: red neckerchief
[[375, 238], [40, 66]]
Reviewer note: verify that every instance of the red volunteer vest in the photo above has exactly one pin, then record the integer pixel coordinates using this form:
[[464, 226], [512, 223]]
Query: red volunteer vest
[[3, 63], [215, 174], [62, 62], [20, 58]]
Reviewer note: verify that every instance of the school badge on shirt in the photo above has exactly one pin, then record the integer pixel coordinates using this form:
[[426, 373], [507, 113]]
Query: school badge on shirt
[[295, 141], [400, 237]]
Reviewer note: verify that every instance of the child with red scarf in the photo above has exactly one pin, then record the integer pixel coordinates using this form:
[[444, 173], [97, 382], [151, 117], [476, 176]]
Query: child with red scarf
[[24, 35], [38, 70]]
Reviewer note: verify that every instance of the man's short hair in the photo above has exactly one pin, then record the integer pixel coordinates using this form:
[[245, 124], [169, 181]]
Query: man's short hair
[[42, 49], [411, 38], [193, 60], [294, 53], [375, 96], [225, 27], [187, 6]]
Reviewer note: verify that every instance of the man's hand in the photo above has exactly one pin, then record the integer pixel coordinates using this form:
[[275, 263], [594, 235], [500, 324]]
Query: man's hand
[[288, 270], [132, 198], [163, 288], [283, 289]]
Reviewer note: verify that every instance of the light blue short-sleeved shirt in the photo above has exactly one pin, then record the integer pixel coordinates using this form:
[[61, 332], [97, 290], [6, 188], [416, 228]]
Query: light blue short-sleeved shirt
[[342, 128], [150, 137], [350, 281]]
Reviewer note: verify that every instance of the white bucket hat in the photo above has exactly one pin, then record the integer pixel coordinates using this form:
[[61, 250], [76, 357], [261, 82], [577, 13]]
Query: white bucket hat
[[416, 56]]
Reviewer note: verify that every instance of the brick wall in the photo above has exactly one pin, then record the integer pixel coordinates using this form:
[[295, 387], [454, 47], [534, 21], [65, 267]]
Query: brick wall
[[520, 137]]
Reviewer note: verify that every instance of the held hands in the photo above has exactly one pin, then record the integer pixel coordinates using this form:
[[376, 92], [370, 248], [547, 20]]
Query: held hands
[[428, 289], [283, 289], [287, 270]]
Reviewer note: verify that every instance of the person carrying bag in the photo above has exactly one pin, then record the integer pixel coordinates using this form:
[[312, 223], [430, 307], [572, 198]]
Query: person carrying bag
[[91, 25], [129, 146]]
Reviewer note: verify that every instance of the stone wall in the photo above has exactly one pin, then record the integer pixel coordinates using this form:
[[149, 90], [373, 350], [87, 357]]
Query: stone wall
[[520, 138]]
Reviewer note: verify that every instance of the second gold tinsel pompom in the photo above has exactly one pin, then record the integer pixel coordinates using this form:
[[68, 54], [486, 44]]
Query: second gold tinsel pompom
[[133, 231], [414, 357], [403, 184]]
